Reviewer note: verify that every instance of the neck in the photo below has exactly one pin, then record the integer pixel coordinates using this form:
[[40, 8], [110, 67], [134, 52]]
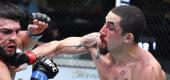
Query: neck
[[125, 55]]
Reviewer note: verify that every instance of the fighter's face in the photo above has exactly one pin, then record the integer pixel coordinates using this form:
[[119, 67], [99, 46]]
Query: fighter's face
[[111, 37], [9, 30]]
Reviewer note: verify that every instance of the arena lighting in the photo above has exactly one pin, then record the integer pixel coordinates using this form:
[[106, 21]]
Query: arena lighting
[[122, 2], [147, 46]]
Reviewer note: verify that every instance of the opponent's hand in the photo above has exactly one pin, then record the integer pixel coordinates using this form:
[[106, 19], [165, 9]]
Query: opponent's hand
[[27, 57], [90, 40], [40, 23], [47, 66]]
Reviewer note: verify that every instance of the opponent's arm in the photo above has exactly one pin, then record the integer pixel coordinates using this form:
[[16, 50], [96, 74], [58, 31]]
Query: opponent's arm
[[27, 39]]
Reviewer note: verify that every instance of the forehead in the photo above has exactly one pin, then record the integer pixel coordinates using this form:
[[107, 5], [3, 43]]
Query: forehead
[[111, 17], [8, 23]]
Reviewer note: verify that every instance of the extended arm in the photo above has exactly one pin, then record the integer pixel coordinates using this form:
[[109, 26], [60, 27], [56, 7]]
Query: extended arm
[[71, 45]]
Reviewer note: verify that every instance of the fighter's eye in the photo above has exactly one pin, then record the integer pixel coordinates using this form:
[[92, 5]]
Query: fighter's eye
[[6, 31], [17, 31], [110, 26]]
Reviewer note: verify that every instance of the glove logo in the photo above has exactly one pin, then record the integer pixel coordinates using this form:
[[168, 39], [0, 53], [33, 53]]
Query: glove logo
[[51, 64]]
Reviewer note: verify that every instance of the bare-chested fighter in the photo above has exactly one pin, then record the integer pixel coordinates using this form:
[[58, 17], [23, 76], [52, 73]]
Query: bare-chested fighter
[[116, 54]]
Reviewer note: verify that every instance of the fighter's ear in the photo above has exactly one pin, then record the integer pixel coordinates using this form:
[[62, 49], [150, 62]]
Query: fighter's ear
[[128, 38]]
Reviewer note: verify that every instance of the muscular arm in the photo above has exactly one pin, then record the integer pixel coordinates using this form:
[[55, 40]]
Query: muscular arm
[[71, 45]]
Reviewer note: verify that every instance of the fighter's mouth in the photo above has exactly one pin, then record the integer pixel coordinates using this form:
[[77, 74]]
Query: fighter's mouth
[[102, 38], [11, 48]]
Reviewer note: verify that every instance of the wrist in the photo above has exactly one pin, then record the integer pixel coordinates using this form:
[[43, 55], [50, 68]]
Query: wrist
[[35, 36], [32, 57]]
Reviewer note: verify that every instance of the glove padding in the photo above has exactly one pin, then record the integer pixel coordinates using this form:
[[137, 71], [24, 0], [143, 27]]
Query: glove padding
[[47, 66], [27, 57], [41, 17]]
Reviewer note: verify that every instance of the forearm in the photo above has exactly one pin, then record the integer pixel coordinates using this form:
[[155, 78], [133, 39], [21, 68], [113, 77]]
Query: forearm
[[25, 42], [47, 49], [71, 45]]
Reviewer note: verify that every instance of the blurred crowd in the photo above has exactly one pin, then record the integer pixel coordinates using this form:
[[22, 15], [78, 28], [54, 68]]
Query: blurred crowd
[[69, 18]]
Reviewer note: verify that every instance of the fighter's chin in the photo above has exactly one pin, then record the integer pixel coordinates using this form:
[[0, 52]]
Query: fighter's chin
[[102, 48], [8, 55], [10, 52]]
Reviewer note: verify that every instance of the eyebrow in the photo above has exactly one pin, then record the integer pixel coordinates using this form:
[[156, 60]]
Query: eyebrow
[[8, 29], [110, 22]]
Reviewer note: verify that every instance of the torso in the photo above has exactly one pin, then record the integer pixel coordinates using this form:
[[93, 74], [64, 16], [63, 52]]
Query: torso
[[135, 70], [116, 72]]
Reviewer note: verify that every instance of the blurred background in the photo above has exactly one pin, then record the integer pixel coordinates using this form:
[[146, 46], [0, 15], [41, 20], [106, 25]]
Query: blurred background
[[79, 17]]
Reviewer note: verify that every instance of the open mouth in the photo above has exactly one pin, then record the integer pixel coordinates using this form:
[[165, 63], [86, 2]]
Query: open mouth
[[11, 48]]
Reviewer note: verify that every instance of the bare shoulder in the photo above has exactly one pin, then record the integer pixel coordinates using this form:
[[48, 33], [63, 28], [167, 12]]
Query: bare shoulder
[[4, 71], [153, 71], [150, 68], [156, 69], [151, 62]]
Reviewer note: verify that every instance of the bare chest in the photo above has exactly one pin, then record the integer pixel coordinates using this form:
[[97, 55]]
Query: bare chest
[[116, 73]]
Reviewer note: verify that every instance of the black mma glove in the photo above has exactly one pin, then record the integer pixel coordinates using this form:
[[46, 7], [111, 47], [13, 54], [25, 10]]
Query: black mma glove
[[27, 57], [41, 17], [44, 67]]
